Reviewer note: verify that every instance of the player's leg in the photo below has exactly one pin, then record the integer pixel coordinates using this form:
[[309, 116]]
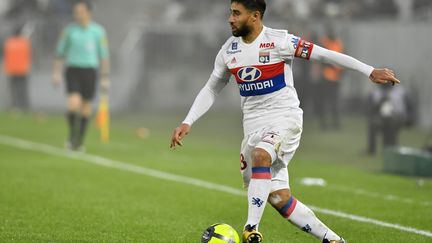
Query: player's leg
[[259, 186], [258, 192], [86, 111], [73, 105], [261, 153], [301, 216], [23, 93], [87, 90], [26, 98], [14, 93], [280, 197]]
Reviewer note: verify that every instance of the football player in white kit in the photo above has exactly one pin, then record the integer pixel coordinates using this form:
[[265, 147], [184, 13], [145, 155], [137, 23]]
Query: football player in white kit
[[260, 59]]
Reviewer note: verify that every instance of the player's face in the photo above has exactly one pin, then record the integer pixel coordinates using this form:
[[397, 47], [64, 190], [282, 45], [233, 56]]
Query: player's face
[[81, 13], [240, 20]]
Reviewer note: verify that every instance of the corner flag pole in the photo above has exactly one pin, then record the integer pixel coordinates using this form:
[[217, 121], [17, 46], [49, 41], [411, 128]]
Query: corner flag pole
[[103, 117]]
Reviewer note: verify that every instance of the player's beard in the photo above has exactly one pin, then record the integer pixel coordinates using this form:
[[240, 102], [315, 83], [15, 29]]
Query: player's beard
[[241, 31]]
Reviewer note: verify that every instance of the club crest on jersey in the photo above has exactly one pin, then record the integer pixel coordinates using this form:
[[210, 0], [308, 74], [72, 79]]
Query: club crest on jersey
[[267, 45], [249, 74], [264, 57]]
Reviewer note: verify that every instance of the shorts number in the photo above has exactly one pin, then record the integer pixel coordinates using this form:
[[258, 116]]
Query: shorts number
[[243, 163]]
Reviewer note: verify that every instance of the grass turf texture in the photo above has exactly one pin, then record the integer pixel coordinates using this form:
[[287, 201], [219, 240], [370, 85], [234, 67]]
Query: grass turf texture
[[45, 198]]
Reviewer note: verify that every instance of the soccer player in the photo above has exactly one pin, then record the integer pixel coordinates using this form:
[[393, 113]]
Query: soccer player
[[83, 48], [260, 58]]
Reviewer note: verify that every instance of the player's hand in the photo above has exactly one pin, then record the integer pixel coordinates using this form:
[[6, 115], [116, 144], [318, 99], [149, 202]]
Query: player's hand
[[179, 133], [105, 84], [56, 79], [383, 76]]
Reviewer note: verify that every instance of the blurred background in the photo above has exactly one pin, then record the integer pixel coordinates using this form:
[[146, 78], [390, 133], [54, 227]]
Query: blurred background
[[162, 52]]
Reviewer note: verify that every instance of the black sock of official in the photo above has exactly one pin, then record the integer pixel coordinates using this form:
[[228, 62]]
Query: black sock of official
[[72, 121], [82, 129]]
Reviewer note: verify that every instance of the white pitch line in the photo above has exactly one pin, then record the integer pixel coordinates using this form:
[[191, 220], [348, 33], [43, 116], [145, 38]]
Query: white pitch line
[[388, 197], [371, 221], [368, 193], [51, 150]]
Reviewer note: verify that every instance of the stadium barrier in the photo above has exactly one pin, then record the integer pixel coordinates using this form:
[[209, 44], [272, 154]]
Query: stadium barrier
[[408, 161]]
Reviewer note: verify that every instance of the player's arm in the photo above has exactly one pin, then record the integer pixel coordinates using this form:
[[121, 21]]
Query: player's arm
[[105, 67], [57, 69], [201, 105], [61, 50], [377, 75]]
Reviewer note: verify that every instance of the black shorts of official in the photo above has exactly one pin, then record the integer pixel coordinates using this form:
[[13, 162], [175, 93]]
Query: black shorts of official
[[82, 81]]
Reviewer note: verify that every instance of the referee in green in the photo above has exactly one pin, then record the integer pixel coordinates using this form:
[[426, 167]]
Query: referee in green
[[83, 52]]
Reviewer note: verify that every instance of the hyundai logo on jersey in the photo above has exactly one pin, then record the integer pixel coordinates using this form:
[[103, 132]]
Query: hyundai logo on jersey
[[260, 79], [249, 74]]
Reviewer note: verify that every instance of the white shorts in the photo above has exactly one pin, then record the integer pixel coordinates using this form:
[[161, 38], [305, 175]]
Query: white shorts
[[281, 143]]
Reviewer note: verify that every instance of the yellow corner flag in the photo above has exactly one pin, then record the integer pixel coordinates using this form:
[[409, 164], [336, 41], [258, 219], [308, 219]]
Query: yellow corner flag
[[102, 118]]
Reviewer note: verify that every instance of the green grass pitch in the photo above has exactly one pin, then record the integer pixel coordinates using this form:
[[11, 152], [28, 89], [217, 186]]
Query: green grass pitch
[[53, 198]]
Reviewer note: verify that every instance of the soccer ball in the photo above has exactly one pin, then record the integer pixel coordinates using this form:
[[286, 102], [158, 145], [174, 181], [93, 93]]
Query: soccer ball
[[220, 233]]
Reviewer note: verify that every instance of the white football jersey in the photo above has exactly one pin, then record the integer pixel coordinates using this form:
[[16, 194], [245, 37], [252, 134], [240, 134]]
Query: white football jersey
[[263, 72]]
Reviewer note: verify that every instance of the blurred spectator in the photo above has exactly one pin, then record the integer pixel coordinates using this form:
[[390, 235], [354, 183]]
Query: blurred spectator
[[328, 88], [17, 64], [389, 110]]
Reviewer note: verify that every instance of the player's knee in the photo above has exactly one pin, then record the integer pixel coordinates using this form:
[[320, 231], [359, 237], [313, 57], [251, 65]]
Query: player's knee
[[86, 109], [74, 102], [261, 158], [279, 198]]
